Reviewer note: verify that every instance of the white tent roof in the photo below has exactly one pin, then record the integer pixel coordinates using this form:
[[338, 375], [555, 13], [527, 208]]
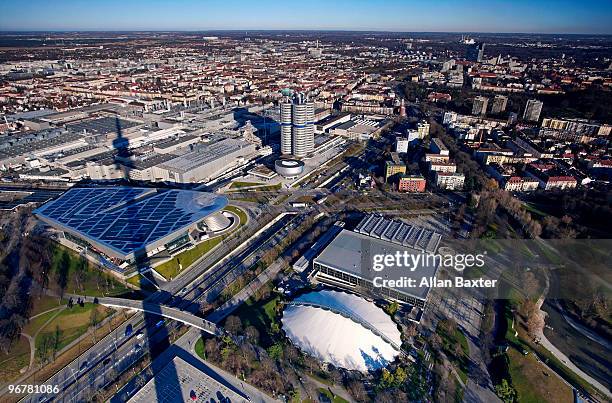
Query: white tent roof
[[341, 334]]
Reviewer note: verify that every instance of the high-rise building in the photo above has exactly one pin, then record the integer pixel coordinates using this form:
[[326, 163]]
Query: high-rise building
[[480, 106], [532, 110], [475, 52], [499, 104], [297, 125], [423, 129]]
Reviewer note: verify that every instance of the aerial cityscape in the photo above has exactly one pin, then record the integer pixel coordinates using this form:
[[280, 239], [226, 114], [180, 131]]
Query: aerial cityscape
[[387, 201]]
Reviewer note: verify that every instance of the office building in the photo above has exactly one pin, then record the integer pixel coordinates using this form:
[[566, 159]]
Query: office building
[[394, 167], [412, 183], [480, 106], [533, 108], [423, 129], [297, 125], [499, 104], [438, 147], [450, 180], [401, 144]]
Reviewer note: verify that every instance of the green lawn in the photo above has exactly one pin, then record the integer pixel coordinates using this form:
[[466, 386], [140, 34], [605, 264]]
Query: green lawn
[[81, 276], [239, 212], [533, 209], [72, 323], [238, 185], [264, 188], [35, 324], [534, 383], [172, 267], [461, 360], [44, 303], [199, 348]]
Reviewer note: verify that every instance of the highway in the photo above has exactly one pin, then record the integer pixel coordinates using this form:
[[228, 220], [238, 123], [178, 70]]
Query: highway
[[91, 369], [115, 353]]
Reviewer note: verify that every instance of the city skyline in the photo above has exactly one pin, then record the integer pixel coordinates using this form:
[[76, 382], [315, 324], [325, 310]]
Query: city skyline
[[546, 17]]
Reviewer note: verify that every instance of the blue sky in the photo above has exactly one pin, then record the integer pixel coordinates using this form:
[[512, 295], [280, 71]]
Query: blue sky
[[542, 16]]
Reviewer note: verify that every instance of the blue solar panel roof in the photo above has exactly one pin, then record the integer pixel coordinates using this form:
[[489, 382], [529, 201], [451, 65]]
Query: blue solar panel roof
[[127, 219]]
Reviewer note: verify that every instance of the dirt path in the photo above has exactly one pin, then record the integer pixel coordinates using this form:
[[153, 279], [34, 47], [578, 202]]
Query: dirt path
[[32, 339], [32, 348]]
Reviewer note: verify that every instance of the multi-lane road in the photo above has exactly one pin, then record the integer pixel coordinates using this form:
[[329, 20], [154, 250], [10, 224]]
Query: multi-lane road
[[119, 350]]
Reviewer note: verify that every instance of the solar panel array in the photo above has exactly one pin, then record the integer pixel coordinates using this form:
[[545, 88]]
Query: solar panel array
[[399, 232], [126, 218]]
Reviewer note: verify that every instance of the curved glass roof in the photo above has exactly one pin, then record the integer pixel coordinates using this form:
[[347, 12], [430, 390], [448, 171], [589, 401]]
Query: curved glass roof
[[127, 219]]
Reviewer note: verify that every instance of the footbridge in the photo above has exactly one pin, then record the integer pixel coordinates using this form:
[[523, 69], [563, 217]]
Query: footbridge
[[165, 311]]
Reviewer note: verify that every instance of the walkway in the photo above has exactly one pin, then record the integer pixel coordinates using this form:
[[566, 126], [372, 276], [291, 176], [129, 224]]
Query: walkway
[[165, 311], [544, 342]]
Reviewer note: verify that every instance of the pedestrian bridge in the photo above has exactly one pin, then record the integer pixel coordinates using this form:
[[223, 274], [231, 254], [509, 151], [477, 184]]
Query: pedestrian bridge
[[165, 311]]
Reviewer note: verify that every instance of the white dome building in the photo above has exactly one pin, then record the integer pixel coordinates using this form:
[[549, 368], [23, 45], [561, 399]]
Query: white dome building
[[342, 329]]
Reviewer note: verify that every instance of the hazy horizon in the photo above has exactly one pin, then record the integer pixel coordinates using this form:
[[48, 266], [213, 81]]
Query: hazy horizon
[[589, 17]]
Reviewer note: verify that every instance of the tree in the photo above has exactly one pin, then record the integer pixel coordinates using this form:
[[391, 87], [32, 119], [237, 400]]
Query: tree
[[357, 391], [505, 392], [392, 308], [233, 324], [276, 351], [252, 334]]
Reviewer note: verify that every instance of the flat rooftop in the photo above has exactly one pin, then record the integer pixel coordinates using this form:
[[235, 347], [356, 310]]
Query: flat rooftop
[[352, 253], [180, 381]]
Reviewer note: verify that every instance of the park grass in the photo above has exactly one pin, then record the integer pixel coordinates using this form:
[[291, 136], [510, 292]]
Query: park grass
[[460, 361], [94, 282], [199, 348], [17, 358], [72, 323], [257, 188], [171, 268], [135, 280], [331, 397], [556, 365], [238, 184], [531, 383], [44, 303], [239, 212], [35, 324], [531, 207]]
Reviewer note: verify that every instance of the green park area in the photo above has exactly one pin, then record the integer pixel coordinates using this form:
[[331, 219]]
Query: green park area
[[262, 315], [255, 186], [76, 275], [171, 268], [455, 346], [18, 357], [65, 326], [52, 326], [238, 185], [534, 382]]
